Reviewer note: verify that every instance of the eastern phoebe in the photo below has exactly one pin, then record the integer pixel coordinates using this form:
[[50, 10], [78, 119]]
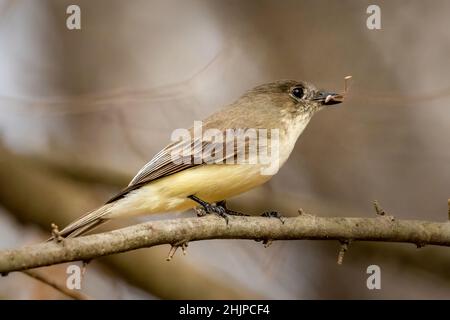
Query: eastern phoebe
[[180, 178]]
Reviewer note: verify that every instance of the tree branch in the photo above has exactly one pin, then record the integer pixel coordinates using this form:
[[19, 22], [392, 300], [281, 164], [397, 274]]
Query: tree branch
[[179, 231]]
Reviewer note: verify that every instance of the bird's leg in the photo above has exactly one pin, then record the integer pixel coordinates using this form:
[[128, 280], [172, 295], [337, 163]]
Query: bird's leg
[[273, 214], [211, 208], [223, 204]]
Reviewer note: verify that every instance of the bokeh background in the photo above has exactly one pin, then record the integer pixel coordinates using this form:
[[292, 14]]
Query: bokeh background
[[82, 110]]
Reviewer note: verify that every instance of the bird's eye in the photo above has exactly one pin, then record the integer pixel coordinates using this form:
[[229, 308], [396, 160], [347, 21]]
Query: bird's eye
[[297, 92]]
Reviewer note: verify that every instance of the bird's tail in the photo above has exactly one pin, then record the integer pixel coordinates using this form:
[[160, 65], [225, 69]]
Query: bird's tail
[[86, 223]]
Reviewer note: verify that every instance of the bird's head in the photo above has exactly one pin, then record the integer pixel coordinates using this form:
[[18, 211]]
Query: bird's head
[[297, 98]]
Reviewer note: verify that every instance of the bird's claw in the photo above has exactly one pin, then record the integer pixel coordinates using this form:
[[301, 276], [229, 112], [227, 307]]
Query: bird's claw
[[210, 208], [218, 210]]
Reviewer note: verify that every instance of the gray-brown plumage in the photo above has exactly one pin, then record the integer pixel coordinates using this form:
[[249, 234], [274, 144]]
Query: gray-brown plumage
[[163, 185]]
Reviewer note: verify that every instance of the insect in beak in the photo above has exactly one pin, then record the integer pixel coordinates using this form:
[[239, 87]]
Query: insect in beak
[[331, 98], [328, 98]]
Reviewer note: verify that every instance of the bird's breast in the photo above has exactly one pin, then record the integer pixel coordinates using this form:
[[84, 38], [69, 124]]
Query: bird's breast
[[289, 135], [210, 183]]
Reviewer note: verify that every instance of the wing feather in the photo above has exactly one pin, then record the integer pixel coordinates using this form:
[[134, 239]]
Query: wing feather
[[163, 163]]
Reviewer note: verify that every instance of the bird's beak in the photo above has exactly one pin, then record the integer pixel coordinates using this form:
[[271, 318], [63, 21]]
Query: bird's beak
[[328, 98]]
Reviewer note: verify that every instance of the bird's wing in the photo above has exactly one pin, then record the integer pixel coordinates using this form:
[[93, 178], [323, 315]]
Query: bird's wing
[[162, 165], [190, 155]]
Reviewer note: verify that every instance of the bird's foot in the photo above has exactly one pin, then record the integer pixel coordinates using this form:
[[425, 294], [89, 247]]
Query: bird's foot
[[218, 210], [273, 214], [230, 212], [209, 208]]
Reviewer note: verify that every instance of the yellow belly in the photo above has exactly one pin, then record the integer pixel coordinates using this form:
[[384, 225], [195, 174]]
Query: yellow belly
[[208, 182]]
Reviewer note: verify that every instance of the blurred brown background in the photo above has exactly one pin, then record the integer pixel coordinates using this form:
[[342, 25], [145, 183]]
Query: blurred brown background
[[82, 110]]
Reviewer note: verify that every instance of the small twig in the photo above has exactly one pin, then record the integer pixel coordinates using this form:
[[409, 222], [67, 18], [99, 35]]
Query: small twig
[[56, 234], [70, 293], [302, 212], [184, 248], [171, 253], [342, 251], [379, 211], [84, 269], [173, 249]]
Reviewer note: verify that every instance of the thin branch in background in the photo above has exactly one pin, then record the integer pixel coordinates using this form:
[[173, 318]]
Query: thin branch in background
[[65, 291], [116, 98]]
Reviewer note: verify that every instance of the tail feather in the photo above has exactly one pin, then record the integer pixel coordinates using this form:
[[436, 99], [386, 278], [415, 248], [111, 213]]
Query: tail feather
[[87, 222]]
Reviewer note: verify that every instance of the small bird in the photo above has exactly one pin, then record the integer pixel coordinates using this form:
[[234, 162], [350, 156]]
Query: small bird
[[282, 109]]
